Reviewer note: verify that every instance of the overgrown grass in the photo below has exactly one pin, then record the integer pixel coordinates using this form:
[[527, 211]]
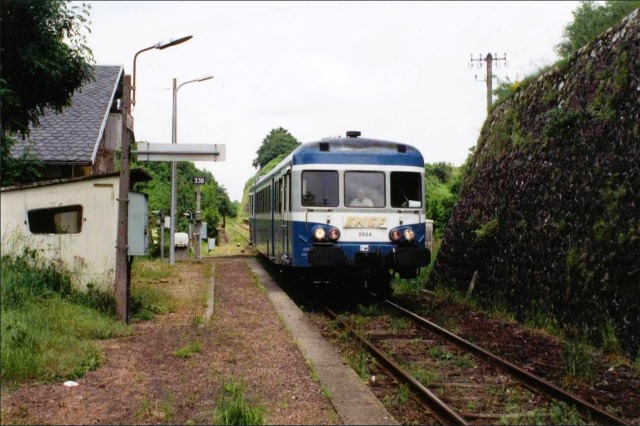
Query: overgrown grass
[[148, 296], [48, 328], [577, 359], [557, 414], [189, 350], [150, 269], [400, 397], [359, 362], [234, 409], [370, 310]]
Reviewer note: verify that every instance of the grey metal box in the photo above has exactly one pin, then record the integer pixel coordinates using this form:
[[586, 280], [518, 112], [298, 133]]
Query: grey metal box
[[138, 237]]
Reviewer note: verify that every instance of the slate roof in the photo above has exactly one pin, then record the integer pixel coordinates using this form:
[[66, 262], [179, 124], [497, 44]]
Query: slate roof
[[72, 137]]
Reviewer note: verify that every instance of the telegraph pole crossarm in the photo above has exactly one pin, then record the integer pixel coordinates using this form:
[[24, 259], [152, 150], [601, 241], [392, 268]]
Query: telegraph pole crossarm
[[489, 59]]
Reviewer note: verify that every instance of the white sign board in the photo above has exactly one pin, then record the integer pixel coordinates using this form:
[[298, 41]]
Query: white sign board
[[181, 152]]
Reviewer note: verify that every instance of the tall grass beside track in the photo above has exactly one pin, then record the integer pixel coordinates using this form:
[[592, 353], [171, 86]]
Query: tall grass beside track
[[49, 330]]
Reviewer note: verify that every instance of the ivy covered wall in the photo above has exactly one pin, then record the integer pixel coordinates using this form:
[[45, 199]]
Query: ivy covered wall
[[549, 211]]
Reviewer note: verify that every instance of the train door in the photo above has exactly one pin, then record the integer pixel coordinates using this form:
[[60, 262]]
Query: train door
[[274, 216], [252, 225], [283, 231]]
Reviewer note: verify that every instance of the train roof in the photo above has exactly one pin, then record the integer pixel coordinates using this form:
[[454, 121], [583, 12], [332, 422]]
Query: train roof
[[351, 150]]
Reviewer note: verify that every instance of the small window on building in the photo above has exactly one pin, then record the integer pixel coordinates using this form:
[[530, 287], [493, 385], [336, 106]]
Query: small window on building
[[58, 220]]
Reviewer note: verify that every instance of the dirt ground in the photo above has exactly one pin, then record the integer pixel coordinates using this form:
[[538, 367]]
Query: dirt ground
[[142, 381]]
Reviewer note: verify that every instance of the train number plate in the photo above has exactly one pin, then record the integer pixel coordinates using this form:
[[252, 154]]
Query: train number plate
[[364, 234]]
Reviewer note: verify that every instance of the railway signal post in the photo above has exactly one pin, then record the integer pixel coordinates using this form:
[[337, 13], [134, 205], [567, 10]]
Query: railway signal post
[[197, 237]]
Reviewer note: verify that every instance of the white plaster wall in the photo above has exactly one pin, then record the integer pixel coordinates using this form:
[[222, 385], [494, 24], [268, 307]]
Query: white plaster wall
[[91, 253]]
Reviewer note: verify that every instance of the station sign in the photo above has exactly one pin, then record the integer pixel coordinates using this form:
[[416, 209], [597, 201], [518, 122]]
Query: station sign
[[180, 152]]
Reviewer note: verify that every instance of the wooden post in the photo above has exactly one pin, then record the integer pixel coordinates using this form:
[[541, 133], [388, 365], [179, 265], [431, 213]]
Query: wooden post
[[122, 244], [489, 60]]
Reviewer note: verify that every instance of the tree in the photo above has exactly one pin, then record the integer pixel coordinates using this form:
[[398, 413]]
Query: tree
[[278, 141], [214, 204], [44, 61], [590, 19]]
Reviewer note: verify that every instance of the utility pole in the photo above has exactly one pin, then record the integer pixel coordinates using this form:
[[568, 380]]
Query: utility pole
[[122, 245], [489, 59]]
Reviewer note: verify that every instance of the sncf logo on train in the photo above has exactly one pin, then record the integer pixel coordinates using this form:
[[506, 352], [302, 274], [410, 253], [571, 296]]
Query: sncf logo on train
[[365, 222]]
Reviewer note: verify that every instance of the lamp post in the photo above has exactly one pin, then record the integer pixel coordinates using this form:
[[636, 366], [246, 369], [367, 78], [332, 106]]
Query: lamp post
[[123, 266], [174, 165], [177, 38]]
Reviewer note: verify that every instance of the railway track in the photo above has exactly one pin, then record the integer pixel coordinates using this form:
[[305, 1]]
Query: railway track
[[242, 232], [462, 383]]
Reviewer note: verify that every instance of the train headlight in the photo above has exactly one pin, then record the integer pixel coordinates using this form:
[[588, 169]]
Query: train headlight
[[409, 235], [395, 235], [319, 234], [334, 234]]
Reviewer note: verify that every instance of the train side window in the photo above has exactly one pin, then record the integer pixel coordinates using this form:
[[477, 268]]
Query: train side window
[[364, 189], [406, 189], [57, 220], [279, 195], [320, 188], [289, 191]]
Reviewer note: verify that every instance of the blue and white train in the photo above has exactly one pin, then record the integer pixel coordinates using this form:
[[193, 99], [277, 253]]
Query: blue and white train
[[345, 209]]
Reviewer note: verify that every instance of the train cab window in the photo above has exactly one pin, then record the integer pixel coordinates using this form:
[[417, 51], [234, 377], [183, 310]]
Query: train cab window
[[364, 189], [406, 189], [320, 188]]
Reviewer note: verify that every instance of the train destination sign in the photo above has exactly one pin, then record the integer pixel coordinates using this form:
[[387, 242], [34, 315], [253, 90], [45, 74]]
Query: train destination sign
[[181, 152]]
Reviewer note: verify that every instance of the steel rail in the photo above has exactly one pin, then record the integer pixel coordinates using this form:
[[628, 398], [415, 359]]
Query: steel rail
[[531, 380], [442, 411]]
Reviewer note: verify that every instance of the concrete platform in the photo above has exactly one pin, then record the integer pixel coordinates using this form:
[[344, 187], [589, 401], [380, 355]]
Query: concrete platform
[[352, 399]]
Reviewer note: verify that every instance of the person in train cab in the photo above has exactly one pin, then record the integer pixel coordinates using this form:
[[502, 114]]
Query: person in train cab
[[361, 200]]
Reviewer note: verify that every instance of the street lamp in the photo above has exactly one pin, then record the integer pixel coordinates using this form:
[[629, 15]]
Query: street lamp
[[174, 171], [122, 267], [177, 38]]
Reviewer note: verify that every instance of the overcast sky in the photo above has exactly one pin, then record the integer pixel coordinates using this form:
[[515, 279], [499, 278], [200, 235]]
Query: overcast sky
[[393, 70]]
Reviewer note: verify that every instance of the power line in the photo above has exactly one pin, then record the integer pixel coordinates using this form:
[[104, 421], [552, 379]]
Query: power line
[[489, 59]]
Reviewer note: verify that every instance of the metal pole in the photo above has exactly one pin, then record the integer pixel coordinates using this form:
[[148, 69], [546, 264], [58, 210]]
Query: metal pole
[[172, 231], [122, 264], [198, 224], [161, 236], [133, 88], [174, 171]]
